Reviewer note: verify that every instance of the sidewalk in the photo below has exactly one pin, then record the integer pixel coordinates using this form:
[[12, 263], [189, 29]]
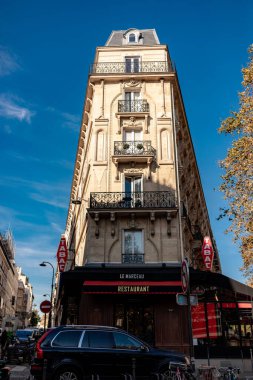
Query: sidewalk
[[19, 372]]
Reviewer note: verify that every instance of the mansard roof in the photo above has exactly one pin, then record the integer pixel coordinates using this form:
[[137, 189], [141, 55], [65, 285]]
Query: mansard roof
[[119, 37]]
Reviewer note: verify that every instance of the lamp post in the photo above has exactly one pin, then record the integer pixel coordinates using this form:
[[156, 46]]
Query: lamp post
[[44, 264]]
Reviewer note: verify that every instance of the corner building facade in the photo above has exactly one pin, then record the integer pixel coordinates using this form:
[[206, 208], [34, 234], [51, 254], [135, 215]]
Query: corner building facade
[[137, 207]]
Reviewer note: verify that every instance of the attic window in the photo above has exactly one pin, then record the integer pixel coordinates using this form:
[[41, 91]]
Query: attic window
[[132, 37]]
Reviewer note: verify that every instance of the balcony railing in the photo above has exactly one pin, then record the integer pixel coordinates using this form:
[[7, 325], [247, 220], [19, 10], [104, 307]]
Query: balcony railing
[[133, 106], [133, 258], [129, 148], [138, 199], [125, 67]]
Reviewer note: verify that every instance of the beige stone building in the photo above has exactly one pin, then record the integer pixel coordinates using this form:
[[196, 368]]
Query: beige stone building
[[16, 294], [137, 207]]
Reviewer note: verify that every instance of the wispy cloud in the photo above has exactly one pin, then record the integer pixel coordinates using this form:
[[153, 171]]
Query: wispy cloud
[[69, 120], [8, 62], [11, 108], [54, 194], [56, 202]]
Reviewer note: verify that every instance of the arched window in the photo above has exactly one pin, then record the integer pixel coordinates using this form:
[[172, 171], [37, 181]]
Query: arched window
[[100, 153], [166, 146], [132, 37]]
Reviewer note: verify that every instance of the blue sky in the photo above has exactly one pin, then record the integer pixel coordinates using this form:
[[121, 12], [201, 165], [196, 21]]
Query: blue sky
[[46, 48]]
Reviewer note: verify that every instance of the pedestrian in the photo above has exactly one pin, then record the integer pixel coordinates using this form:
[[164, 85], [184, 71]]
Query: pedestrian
[[4, 343]]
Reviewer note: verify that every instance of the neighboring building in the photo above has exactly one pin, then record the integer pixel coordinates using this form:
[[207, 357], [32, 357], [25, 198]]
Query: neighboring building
[[137, 210], [24, 300], [15, 290], [8, 282]]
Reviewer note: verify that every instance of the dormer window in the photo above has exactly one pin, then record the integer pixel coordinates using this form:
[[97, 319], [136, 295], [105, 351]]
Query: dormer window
[[132, 38]]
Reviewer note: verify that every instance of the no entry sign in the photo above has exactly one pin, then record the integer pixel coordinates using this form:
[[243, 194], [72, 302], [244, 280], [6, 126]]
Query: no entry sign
[[45, 307]]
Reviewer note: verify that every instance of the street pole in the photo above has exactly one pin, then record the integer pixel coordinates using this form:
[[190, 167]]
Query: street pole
[[44, 264]]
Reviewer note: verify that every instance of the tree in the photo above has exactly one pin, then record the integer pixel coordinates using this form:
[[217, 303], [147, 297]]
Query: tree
[[35, 318], [237, 182]]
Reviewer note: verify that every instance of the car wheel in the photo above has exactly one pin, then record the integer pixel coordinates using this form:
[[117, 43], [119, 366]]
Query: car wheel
[[169, 375], [67, 373]]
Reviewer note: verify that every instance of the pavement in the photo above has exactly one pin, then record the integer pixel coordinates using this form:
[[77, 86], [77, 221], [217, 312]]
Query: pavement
[[22, 372], [19, 372]]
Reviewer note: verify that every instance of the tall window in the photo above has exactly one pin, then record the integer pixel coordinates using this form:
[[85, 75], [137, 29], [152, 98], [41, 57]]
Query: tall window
[[133, 242], [133, 191], [132, 101], [132, 64]]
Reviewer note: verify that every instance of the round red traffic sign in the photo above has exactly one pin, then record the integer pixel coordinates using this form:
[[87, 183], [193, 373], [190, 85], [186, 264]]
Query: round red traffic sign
[[45, 306], [185, 275]]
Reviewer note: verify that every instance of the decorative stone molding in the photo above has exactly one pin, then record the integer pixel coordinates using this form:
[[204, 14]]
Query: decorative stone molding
[[132, 122], [112, 219], [133, 171], [132, 222], [96, 219], [132, 83], [168, 224], [152, 220]]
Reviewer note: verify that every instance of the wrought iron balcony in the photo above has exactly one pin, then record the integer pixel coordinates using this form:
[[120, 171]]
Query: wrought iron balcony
[[127, 200], [129, 148], [133, 106], [132, 258], [125, 67]]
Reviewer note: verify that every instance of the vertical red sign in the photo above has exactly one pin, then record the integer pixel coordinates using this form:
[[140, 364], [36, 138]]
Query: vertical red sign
[[62, 254], [207, 252]]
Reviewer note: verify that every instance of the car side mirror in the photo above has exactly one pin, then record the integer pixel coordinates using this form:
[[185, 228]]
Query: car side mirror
[[144, 348]]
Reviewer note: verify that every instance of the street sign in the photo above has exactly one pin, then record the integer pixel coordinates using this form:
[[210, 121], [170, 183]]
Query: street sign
[[181, 299], [45, 306], [185, 275]]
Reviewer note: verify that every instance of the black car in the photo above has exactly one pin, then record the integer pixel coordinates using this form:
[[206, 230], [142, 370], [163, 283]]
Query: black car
[[78, 352]]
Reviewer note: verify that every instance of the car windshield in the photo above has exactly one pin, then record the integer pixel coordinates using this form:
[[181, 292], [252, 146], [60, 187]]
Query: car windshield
[[24, 333]]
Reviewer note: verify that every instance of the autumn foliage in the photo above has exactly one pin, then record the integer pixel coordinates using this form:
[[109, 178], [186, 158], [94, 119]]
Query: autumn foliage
[[237, 182]]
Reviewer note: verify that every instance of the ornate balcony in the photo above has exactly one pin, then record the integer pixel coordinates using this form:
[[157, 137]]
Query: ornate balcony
[[135, 200], [133, 106], [132, 258], [129, 148], [124, 68]]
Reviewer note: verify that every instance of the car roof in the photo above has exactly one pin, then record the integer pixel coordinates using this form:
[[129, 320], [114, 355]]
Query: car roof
[[89, 327]]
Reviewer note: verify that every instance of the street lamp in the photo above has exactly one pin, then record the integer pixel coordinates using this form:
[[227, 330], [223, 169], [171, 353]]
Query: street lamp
[[44, 264]]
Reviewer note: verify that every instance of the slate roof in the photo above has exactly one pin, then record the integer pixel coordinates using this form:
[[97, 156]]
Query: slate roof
[[117, 37]]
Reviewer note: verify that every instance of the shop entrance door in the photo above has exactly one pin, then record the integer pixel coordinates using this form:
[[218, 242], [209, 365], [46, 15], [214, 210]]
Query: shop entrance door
[[137, 319]]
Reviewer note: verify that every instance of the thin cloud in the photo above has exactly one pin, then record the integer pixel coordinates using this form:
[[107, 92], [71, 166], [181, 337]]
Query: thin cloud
[[49, 200], [40, 191], [70, 121], [10, 109], [8, 62]]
